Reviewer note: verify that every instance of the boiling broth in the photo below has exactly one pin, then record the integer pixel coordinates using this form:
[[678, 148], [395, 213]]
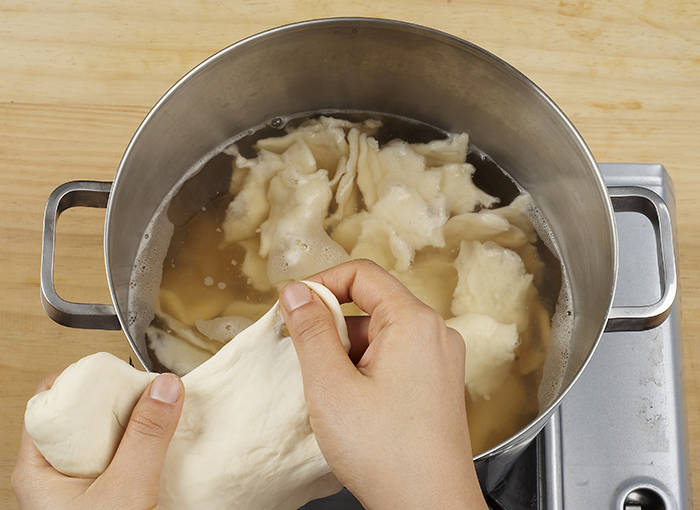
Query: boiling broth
[[202, 275]]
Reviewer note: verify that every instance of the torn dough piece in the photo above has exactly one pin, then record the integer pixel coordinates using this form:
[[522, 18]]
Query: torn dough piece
[[243, 440], [319, 144], [293, 237], [492, 280], [490, 348], [249, 208], [174, 352]]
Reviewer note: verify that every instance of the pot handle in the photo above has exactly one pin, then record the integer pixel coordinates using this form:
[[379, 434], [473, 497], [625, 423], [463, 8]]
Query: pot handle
[[67, 313], [645, 201]]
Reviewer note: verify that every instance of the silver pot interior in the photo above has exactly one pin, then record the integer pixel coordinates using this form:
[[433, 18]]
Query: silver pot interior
[[387, 67]]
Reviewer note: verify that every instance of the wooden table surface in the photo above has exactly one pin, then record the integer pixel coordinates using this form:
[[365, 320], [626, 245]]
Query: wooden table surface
[[77, 78]]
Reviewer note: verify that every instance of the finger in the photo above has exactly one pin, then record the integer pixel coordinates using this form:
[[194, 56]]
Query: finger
[[376, 292], [33, 476], [147, 437], [47, 382], [34, 481], [29, 454], [313, 331], [365, 283]]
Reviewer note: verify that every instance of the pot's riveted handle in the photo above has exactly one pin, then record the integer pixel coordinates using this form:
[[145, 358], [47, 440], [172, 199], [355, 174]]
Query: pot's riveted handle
[[76, 315], [645, 201]]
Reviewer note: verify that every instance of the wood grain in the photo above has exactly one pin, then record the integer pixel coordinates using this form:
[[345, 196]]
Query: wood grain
[[78, 77]]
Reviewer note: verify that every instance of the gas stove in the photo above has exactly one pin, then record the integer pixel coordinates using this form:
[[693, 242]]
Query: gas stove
[[618, 441]]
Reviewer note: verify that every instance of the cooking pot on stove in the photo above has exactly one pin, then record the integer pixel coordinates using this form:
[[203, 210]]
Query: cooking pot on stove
[[387, 67]]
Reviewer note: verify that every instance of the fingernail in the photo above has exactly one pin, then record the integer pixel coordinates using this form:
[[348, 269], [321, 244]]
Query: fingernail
[[295, 295], [166, 388]]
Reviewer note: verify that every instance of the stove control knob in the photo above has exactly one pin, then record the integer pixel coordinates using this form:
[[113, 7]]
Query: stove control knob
[[644, 499]]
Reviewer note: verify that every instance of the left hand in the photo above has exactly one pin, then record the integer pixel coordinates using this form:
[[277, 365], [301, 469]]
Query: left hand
[[130, 481]]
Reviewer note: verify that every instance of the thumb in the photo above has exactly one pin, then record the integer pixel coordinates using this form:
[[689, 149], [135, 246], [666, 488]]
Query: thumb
[[139, 459], [313, 331]]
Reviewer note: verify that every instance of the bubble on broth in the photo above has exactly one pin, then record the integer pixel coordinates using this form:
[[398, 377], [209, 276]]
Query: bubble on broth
[[144, 287], [147, 272], [556, 361], [562, 318]]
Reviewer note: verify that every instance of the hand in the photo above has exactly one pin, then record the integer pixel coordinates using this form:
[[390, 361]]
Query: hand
[[131, 479], [390, 419]]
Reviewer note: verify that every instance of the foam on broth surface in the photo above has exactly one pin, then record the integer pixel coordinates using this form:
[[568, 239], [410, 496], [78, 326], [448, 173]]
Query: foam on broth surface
[[186, 265]]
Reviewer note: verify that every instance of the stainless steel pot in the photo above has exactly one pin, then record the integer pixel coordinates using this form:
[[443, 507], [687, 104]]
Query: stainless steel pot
[[387, 67]]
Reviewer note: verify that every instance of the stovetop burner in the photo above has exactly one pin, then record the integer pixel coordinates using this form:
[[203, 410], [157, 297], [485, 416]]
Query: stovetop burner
[[618, 440]]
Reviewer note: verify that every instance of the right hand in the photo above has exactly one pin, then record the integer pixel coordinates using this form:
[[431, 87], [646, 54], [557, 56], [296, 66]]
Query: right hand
[[390, 419]]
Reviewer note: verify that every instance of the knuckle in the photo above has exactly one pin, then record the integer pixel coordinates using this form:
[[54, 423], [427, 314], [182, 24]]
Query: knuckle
[[310, 326], [16, 478], [144, 425], [23, 484], [367, 264], [423, 317], [47, 382], [457, 343]]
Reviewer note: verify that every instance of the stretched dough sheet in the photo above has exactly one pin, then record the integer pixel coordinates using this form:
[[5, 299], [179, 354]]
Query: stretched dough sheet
[[243, 440]]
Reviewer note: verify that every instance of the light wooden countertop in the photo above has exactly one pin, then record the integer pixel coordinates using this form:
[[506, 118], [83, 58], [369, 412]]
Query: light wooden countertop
[[77, 78]]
